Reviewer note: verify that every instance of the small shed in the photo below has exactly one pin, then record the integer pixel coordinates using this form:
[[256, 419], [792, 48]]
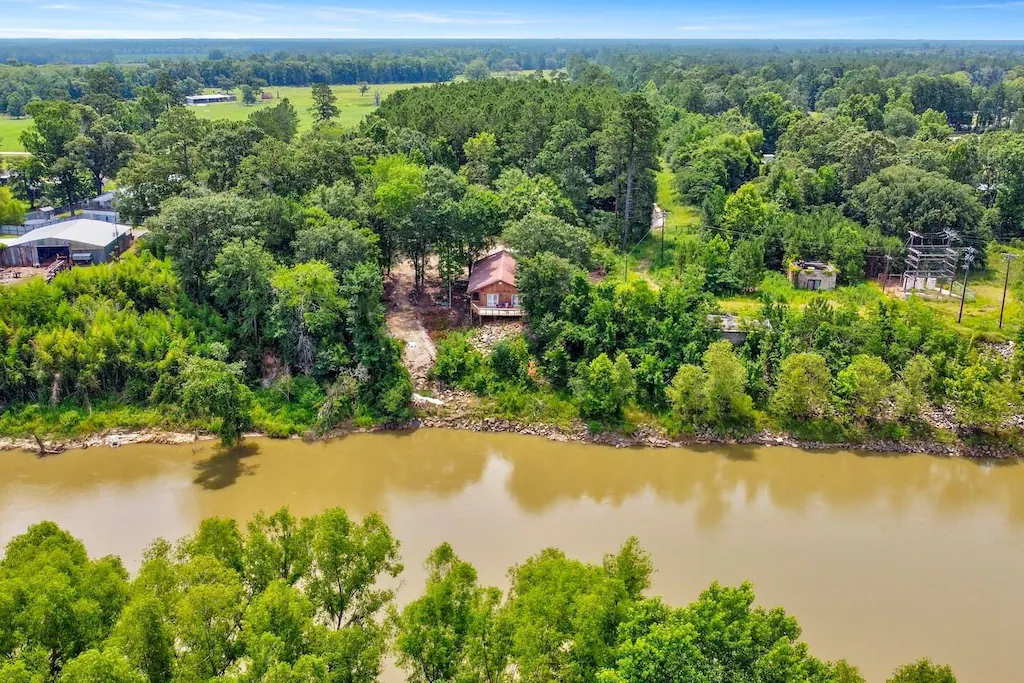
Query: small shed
[[734, 329], [101, 202], [80, 240], [813, 275], [43, 213], [492, 286]]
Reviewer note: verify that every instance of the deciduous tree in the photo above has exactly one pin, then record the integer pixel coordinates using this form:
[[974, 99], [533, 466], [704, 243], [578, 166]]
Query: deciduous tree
[[324, 107]]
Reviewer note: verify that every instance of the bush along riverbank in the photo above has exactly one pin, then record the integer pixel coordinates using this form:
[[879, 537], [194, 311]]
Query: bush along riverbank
[[864, 406], [462, 411], [969, 407]]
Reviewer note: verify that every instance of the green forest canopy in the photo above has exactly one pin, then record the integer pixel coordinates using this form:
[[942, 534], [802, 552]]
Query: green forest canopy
[[303, 600], [267, 248]]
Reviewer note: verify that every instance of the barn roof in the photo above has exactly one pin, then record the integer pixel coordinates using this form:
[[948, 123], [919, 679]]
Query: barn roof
[[79, 230], [497, 267]]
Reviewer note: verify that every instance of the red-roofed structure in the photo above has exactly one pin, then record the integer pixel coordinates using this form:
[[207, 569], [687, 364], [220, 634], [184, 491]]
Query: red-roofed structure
[[492, 286]]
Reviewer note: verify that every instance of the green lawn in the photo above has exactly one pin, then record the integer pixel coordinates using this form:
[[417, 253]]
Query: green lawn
[[353, 106], [10, 129], [982, 314]]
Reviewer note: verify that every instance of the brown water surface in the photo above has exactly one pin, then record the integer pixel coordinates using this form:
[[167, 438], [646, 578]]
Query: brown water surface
[[883, 559]]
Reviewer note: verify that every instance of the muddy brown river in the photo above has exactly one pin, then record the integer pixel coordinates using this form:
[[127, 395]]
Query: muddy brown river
[[883, 559]]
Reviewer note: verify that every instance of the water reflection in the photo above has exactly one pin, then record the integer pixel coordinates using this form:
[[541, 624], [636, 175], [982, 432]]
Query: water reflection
[[366, 469], [792, 480], [882, 558], [225, 466]]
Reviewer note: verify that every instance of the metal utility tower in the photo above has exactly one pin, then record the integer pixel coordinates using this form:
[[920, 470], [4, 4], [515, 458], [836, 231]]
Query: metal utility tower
[[930, 263]]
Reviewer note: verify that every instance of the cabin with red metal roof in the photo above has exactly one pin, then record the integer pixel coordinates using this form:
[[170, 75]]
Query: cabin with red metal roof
[[492, 286]]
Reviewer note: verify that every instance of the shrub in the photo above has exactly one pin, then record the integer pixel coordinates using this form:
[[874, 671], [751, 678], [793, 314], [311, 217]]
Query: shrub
[[866, 384], [510, 360], [982, 398], [686, 393], [804, 387], [213, 388], [457, 360], [913, 392], [602, 388], [650, 383], [923, 671], [713, 395]]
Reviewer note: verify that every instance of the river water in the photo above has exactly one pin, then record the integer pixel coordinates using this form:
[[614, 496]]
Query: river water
[[883, 559]]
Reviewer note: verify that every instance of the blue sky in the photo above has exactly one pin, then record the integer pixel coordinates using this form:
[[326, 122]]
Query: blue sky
[[898, 19]]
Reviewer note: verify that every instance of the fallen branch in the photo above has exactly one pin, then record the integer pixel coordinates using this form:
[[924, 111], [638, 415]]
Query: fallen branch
[[43, 449]]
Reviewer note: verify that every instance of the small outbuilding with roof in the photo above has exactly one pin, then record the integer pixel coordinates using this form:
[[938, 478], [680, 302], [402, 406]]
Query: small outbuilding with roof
[[492, 286], [81, 241], [813, 275]]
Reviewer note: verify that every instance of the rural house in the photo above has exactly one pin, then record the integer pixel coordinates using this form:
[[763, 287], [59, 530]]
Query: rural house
[[813, 275], [492, 286]]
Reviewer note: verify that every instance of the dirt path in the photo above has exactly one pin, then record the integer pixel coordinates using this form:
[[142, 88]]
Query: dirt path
[[404, 323]]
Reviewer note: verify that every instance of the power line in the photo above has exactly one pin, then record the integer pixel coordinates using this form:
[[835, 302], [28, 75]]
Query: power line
[[747, 235], [1006, 283]]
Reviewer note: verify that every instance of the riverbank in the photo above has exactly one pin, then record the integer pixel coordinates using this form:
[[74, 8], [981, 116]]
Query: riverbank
[[643, 437]]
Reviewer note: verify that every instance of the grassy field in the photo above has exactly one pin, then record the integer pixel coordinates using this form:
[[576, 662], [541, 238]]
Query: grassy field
[[10, 129], [981, 315], [352, 106]]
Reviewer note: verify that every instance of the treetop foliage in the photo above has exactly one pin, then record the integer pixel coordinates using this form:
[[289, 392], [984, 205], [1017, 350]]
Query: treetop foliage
[[289, 599]]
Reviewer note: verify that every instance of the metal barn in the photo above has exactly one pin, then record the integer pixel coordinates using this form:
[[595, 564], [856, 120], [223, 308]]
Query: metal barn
[[81, 241]]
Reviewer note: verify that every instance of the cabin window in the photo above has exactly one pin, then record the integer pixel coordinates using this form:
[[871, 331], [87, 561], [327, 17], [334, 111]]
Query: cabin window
[[492, 300], [476, 296], [517, 300], [814, 284]]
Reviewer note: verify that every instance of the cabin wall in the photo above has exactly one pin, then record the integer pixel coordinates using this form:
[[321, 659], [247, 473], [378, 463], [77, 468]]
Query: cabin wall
[[503, 290]]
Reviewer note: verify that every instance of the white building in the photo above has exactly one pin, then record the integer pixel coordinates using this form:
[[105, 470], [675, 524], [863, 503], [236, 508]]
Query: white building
[[210, 99], [79, 240]]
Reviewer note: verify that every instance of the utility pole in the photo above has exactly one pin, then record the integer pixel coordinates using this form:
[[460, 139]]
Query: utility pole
[[968, 260], [1006, 283], [664, 218]]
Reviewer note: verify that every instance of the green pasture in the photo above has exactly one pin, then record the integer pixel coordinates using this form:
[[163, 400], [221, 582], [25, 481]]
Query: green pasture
[[352, 108], [351, 105], [10, 129]]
